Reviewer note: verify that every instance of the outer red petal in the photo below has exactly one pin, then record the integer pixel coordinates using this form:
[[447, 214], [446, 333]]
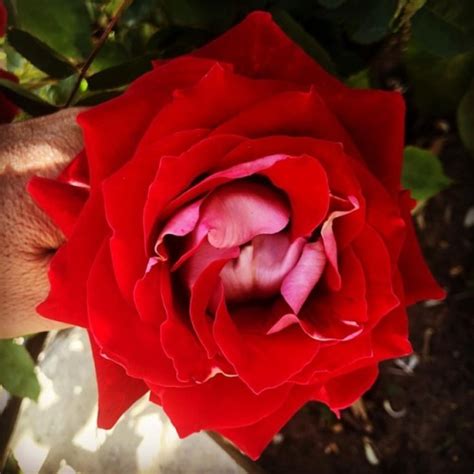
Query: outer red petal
[[257, 47], [375, 259], [77, 172], [108, 150], [61, 201], [221, 402], [176, 173], [124, 209], [68, 272], [178, 339], [375, 120], [293, 113], [253, 439], [342, 391], [305, 183], [119, 331], [263, 361], [418, 281], [3, 19], [117, 391]]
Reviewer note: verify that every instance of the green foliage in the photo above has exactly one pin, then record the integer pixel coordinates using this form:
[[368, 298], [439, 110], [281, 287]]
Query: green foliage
[[359, 80], [440, 56], [295, 31], [17, 373], [30, 103], [63, 25], [370, 20], [40, 54], [427, 46], [436, 35], [121, 74], [438, 84], [465, 118], [422, 173]]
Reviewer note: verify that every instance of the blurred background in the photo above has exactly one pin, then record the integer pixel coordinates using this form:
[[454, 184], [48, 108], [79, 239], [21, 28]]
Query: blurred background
[[418, 418]]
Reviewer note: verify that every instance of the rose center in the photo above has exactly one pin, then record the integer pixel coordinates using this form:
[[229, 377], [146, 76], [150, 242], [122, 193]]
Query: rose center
[[261, 267]]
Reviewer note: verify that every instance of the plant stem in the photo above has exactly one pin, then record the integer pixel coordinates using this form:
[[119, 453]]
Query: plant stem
[[82, 74], [9, 416]]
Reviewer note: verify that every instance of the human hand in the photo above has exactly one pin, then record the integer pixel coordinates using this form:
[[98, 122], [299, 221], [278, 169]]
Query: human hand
[[28, 238]]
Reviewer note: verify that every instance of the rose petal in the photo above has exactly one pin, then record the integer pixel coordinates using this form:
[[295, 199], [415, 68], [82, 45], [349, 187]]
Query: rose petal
[[234, 214], [290, 113], [305, 184], [266, 51], [261, 267], [383, 113], [342, 391], [125, 210], [330, 243], [418, 281], [301, 280], [262, 361], [117, 391], [179, 341], [66, 300], [176, 173], [62, 202], [253, 439], [119, 331], [209, 406], [375, 259]]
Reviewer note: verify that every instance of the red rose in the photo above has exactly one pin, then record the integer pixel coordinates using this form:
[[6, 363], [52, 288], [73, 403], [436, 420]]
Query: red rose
[[3, 19], [238, 243], [8, 109]]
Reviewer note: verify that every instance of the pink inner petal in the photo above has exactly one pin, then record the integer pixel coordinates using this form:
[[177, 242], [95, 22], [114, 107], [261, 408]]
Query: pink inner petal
[[261, 267], [234, 214], [181, 224], [301, 280], [204, 256]]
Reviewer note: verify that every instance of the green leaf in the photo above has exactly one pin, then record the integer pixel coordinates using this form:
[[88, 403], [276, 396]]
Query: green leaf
[[211, 15], [465, 118], [171, 41], [422, 173], [27, 101], [63, 25], [120, 75], [438, 84], [298, 34], [369, 20], [436, 35], [331, 3], [96, 98], [40, 54], [360, 80], [17, 373], [111, 54]]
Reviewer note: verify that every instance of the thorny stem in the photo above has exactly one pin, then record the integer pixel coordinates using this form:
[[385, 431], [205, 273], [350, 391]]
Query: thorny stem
[[82, 74]]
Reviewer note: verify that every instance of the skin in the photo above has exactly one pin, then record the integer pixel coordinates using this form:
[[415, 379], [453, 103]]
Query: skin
[[28, 238]]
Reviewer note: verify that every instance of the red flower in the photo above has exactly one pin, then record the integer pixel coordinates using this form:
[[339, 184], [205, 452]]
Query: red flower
[[8, 110], [3, 19], [238, 243]]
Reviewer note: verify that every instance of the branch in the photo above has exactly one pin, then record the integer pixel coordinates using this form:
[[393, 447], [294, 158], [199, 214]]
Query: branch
[[82, 74]]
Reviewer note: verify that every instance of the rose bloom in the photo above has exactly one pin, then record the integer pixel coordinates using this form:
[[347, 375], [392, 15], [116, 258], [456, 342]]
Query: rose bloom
[[7, 109], [237, 240], [3, 19]]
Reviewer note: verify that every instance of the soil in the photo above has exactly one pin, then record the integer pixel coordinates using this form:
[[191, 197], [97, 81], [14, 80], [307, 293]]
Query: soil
[[420, 415]]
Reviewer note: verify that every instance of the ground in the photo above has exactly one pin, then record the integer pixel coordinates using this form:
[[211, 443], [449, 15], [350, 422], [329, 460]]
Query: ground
[[433, 393]]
